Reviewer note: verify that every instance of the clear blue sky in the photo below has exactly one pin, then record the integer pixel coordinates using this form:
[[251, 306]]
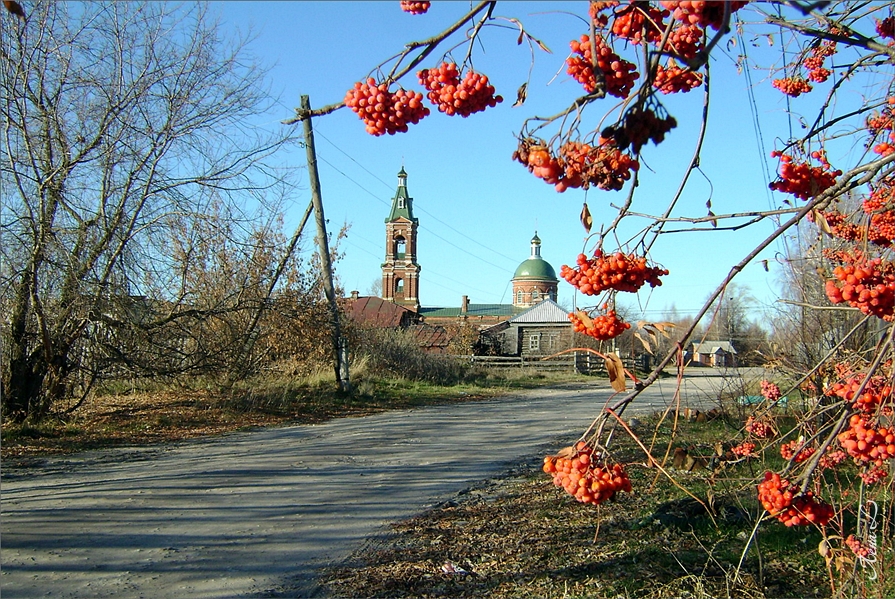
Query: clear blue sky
[[478, 209]]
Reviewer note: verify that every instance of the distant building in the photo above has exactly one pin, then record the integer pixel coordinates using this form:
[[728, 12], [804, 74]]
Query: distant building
[[541, 330], [400, 271], [534, 280], [534, 283], [714, 354]]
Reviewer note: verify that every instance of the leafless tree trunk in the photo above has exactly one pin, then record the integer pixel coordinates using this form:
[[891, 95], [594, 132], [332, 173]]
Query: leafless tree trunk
[[123, 123]]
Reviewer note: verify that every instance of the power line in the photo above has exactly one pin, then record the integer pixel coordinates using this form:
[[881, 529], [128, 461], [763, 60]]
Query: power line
[[421, 209], [428, 230]]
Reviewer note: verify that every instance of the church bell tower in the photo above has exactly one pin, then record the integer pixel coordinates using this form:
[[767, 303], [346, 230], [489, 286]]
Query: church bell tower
[[400, 271]]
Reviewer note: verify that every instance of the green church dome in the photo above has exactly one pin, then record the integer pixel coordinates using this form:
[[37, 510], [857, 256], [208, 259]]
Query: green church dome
[[535, 268]]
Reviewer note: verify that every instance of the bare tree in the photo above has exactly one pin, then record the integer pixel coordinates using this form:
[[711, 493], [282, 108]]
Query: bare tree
[[806, 327], [123, 123]]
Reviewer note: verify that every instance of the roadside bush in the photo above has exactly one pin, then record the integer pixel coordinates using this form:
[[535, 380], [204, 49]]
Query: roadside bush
[[396, 353]]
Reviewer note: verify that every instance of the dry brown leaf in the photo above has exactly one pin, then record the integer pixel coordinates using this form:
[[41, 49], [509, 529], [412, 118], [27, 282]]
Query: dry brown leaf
[[821, 221], [586, 219], [661, 326], [824, 548], [541, 44], [585, 319], [521, 95], [616, 371], [645, 343], [15, 8], [565, 452]]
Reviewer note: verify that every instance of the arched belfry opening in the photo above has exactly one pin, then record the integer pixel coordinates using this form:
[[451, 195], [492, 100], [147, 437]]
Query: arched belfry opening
[[400, 271]]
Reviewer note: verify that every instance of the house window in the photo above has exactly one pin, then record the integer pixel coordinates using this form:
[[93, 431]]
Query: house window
[[534, 342]]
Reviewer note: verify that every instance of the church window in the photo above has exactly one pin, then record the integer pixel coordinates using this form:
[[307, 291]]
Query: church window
[[399, 286], [519, 297], [535, 296], [400, 247]]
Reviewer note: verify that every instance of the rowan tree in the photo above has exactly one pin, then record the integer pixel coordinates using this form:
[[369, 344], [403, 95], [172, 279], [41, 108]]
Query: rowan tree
[[832, 63]]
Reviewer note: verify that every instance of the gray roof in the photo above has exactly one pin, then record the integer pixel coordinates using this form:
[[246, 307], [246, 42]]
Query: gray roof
[[712, 347], [546, 311]]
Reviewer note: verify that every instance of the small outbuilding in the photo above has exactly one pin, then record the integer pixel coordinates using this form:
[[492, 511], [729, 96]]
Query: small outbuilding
[[716, 354], [541, 330]]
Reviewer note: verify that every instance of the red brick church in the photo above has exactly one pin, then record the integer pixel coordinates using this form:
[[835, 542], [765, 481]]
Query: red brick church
[[533, 282]]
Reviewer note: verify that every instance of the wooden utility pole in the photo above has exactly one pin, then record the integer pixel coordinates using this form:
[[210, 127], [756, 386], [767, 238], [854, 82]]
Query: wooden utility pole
[[340, 347]]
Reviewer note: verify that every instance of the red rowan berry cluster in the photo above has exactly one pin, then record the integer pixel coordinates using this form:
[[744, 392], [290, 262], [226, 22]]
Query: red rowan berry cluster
[[639, 20], [770, 391], [578, 164], [585, 477], [759, 428], [857, 547], [539, 160], [882, 197], [831, 459], [642, 125], [672, 78], [686, 41], [618, 74], [453, 96], [883, 122], [814, 62], [618, 271], [602, 328], [779, 498], [415, 8], [873, 475], [879, 231], [792, 86], [801, 179], [877, 393], [384, 111], [603, 166], [597, 9], [796, 450], [744, 449], [819, 75], [868, 285], [866, 444], [886, 27], [701, 13]]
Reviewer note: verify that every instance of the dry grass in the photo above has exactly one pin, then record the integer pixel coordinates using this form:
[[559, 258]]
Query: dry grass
[[520, 536]]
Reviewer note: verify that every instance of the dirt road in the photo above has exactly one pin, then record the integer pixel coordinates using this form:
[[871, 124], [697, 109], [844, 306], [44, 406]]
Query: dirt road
[[256, 514]]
